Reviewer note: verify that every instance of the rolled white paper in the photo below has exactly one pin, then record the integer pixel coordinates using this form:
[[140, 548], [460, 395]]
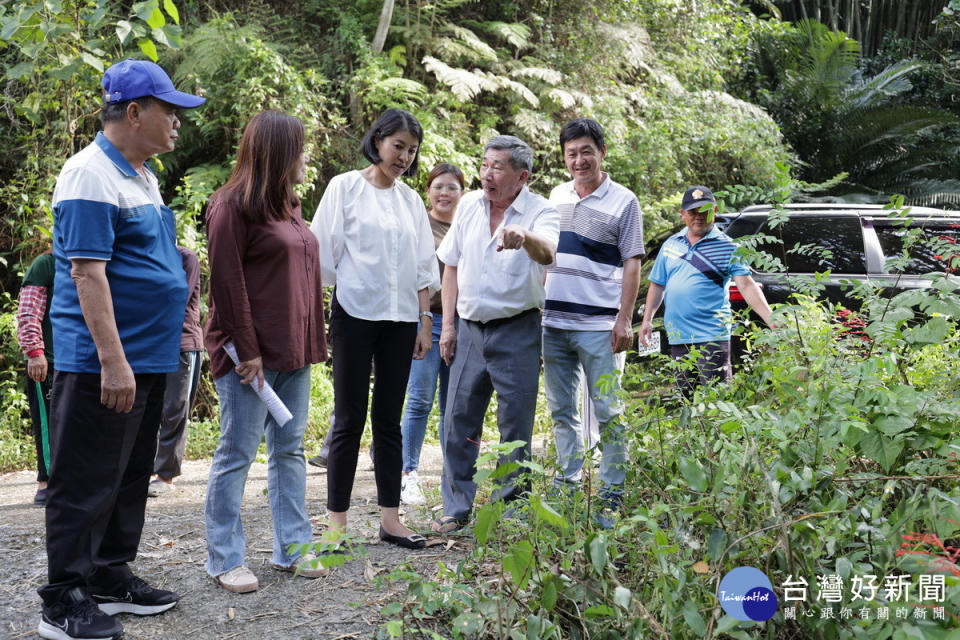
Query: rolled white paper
[[270, 398]]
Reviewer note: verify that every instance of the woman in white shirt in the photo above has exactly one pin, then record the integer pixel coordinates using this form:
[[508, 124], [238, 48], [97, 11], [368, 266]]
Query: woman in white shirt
[[376, 246]]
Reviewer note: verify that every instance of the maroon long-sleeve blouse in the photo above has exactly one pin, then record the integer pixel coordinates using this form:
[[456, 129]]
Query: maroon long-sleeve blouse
[[265, 291]]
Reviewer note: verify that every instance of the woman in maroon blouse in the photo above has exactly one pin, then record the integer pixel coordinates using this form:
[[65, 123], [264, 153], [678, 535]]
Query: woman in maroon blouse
[[265, 299]]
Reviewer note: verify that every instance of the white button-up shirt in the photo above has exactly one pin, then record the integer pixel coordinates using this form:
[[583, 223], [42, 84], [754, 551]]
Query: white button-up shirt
[[497, 284], [376, 246]]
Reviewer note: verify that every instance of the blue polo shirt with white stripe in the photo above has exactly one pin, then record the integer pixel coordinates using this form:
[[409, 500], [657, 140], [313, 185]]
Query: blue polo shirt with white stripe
[[104, 210], [695, 279], [597, 233]]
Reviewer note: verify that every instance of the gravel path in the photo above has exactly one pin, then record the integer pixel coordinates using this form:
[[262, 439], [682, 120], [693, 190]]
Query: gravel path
[[344, 604]]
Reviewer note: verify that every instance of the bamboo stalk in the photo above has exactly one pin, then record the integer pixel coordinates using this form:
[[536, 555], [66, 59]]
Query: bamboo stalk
[[866, 39]]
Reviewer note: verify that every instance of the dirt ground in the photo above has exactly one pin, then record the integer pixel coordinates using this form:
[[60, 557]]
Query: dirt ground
[[344, 604]]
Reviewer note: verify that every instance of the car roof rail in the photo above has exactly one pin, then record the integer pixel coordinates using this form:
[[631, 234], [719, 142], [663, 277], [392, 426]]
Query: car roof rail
[[824, 207]]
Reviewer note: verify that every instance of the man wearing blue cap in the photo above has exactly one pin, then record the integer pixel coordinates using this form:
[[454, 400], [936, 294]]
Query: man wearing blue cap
[[117, 311], [691, 274]]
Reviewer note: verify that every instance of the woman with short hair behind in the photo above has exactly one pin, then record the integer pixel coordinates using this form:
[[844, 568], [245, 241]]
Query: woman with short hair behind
[[265, 299], [377, 247], [428, 377]]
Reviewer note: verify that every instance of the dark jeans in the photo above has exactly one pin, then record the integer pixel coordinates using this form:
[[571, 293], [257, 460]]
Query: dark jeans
[[34, 399], [359, 345], [713, 363], [101, 465], [181, 390]]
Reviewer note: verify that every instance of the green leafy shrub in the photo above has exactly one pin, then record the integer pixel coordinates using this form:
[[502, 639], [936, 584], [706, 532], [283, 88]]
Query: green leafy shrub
[[830, 454], [17, 448]]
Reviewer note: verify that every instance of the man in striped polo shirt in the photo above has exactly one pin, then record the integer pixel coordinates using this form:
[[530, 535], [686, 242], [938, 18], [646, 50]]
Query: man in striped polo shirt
[[591, 291], [118, 306], [691, 274]]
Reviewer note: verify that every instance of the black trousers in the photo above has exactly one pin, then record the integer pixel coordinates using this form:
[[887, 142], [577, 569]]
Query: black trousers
[[100, 469], [34, 399], [713, 363], [358, 344]]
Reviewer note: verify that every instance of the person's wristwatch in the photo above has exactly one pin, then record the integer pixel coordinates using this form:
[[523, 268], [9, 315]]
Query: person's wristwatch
[[426, 314]]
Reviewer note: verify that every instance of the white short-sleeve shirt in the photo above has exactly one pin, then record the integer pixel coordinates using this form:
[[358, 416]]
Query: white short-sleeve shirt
[[497, 284]]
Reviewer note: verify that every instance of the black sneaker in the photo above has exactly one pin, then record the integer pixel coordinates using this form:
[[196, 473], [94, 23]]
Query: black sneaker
[[318, 461], [138, 598], [77, 617]]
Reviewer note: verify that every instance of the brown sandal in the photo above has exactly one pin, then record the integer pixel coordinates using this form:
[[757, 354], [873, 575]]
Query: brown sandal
[[448, 524]]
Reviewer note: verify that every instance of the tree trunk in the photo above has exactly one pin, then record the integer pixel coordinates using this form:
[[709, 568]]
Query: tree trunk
[[856, 25], [386, 15], [901, 17]]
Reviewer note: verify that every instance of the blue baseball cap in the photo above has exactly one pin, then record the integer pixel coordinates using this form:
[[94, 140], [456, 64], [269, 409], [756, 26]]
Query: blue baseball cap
[[132, 79]]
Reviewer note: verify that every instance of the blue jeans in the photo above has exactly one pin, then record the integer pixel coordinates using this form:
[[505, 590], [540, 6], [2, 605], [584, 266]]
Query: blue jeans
[[421, 390], [564, 352], [243, 422]]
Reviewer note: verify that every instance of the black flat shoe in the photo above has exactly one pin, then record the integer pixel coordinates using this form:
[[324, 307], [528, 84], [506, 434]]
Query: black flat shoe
[[415, 541]]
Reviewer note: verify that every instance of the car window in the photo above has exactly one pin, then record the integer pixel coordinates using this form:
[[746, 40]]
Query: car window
[[740, 226], [931, 254], [838, 242]]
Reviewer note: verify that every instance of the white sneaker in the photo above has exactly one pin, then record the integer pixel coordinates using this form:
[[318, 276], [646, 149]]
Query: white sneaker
[[238, 580], [410, 491]]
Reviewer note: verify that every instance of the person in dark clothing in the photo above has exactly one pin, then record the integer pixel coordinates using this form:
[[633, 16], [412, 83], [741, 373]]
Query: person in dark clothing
[[181, 387]]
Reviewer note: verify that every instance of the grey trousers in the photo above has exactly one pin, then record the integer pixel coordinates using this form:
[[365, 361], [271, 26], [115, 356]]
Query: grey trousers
[[177, 402], [501, 356]]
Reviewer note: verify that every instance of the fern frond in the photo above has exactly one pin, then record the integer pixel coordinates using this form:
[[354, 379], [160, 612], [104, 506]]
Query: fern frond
[[535, 127], [454, 51], [404, 90], [481, 50], [934, 193], [877, 89], [513, 33], [583, 99], [565, 99], [635, 47], [550, 76], [828, 62], [210, 47], [464, 84], [500, 82]]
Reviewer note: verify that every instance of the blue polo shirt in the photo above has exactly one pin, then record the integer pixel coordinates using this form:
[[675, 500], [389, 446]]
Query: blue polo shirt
[[104, 210], [695, 278]]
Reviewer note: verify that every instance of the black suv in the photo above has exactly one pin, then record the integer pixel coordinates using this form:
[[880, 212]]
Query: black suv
[[853, 242]]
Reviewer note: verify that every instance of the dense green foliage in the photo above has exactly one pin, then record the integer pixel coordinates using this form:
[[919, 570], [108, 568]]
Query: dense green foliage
[[467, 69], [832, 453], [825, 452], [889, 122]]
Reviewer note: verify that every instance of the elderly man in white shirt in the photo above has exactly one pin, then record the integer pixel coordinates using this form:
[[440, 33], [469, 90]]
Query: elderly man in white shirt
[[495, 252]]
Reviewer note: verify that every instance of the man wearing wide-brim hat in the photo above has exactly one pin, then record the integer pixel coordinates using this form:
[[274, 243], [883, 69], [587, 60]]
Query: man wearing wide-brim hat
[[119, 299], [690, 275]]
